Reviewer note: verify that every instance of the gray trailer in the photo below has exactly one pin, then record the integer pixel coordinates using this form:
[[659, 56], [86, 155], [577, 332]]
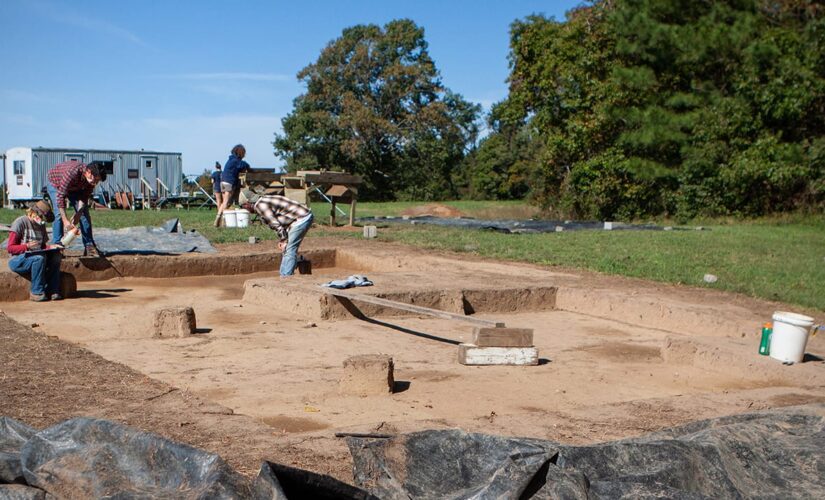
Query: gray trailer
[[147, 175]]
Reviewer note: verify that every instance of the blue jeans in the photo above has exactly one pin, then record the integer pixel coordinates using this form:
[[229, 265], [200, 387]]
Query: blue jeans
[[44, 270], [295, 236], [57, 225]]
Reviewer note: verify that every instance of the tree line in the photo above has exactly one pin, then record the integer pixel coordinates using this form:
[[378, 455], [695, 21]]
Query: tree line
[[627, 108]]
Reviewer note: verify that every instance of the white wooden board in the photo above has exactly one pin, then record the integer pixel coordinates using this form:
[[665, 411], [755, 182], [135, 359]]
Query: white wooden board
[[469, 354]]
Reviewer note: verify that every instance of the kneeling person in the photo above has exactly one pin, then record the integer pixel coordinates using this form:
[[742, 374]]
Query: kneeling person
[[28, 235], [289, 218]]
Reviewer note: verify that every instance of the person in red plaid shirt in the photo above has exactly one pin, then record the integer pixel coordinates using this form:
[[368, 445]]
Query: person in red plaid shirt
[[289, 218], [74, 182]]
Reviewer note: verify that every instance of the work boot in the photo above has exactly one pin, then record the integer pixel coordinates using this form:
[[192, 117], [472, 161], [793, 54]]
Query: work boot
[[38, 297], [91, 251], [57, 296]]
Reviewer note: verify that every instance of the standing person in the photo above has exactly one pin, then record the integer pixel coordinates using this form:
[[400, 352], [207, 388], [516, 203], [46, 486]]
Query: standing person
[[28, 234], [230, 180], [74, 182], [289, 218], [216, 186]]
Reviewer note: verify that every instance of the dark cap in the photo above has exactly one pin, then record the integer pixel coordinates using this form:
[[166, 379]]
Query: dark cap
[[43, 209]]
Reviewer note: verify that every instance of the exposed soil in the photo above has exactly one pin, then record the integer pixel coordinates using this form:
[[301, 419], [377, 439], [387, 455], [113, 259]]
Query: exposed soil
[[433, 209], [45, 380], [618, 358]]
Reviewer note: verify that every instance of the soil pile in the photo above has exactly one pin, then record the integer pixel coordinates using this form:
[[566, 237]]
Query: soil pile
[[434, 210]]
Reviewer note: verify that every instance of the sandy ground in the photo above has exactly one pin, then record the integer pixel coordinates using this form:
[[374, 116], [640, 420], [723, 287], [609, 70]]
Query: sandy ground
[[609, 367]]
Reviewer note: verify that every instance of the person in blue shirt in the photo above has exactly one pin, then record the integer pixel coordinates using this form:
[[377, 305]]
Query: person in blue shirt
[[230, 179], [216, 185]]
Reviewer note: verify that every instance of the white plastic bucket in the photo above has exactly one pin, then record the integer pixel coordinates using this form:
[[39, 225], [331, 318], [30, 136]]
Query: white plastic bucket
[[790, 336], [230, 218], [243, 217]]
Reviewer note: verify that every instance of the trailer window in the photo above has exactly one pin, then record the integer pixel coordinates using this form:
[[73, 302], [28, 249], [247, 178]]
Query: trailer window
[[19, 167], [73, 157]]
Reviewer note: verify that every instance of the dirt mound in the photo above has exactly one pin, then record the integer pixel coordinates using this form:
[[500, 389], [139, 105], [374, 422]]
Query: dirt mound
[[433, 209]]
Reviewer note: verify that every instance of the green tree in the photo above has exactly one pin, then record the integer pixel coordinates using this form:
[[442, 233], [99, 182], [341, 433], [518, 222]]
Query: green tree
[[375, 106], [500, 166], [673, 106]]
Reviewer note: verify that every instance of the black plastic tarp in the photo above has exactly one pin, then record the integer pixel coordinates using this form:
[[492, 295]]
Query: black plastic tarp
[[774, 454], [778, 454], [20, 492], [509, 226], [281, 482], [92, 458], [13, 435], [448, 464]]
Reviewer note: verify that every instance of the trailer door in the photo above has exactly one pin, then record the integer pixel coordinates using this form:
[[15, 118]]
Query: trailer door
[[149, 171]]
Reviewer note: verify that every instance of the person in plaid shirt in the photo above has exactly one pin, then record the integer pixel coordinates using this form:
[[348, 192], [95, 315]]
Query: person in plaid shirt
[[289, 218], [74, 182]]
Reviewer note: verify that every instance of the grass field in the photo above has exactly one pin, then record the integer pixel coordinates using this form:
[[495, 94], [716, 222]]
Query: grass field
[[774, 258]]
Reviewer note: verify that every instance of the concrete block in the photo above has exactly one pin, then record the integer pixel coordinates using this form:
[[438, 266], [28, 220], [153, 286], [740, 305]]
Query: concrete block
[[469, 354], [253, 240], [370, 231], [503, 337], [174, 322], [367, 374]]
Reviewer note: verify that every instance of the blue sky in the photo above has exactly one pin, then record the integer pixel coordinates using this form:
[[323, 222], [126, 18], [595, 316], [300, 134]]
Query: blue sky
[[201, 76]]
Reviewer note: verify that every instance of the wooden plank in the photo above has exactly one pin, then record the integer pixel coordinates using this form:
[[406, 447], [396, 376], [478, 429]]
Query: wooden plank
[[337, 190], [370, 299], [469, 354], [258, 176], [299, 195], [293, 182], [327, 177], [503, 337]]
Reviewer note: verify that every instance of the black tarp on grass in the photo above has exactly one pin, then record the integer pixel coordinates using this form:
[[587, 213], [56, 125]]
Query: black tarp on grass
[[511, 226]]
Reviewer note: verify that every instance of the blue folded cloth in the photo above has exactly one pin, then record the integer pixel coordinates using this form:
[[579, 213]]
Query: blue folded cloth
[[354, 280]]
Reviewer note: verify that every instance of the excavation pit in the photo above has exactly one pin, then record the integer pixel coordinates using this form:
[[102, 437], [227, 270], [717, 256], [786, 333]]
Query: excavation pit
[[304, 297], [617, 357]]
